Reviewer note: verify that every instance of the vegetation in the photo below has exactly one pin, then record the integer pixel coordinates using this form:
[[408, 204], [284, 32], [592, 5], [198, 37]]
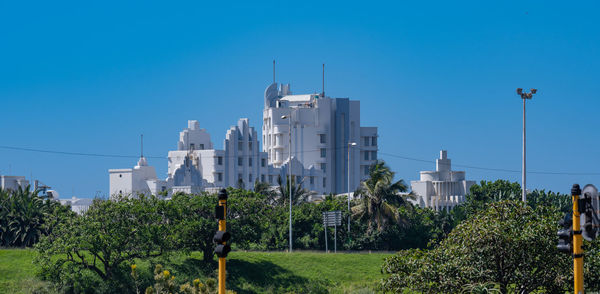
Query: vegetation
[[248, 272], [492, 242], [23, 215], [507, 245], [496, 243]]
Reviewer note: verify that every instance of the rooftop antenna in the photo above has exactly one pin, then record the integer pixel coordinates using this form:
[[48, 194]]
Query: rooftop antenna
[[142, 145], [323, 94], [273, 71]]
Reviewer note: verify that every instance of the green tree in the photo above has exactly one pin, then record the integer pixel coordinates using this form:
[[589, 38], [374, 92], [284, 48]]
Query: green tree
[[379, 198], [97, 246], [22, 216], [509, 245], [299, 194]]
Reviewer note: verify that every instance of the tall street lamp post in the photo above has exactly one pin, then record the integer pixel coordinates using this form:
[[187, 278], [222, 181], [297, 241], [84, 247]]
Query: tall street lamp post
[[350, 144], [524, 96], [289, 118]]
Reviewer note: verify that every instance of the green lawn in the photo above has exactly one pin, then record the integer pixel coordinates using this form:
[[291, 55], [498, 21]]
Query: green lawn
[[17, 272], [248, 272]]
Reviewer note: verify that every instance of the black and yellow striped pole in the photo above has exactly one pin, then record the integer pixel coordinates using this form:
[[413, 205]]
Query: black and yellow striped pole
[[577, 241], [221, 238]]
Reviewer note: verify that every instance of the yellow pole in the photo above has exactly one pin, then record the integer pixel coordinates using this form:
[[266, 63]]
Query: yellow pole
[[577, 245], [222, 227]]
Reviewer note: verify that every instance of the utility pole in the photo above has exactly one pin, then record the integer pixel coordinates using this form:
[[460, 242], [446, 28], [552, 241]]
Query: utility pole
[[349, 146], [524, 96], [289, 117]]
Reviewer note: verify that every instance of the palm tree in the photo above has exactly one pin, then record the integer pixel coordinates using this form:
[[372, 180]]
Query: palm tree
[[380, 197], [299, 194]]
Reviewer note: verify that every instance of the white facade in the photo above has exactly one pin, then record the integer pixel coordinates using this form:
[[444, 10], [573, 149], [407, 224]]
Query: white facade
[[140, 179], [321, 130], [13, 182], [240, 163], [442, 188], [78, 205]]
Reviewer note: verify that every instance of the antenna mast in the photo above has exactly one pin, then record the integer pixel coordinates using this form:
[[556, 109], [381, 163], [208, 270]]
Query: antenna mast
[[142, 145], [323, 80]]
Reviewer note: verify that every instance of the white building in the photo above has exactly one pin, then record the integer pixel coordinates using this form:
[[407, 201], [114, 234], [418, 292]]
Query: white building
[[442, 188], [321, 130], [240, 163], [321, 133], [78, 205], [141, 179], [13, 182]]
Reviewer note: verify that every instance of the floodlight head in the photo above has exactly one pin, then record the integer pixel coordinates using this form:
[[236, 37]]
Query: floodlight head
[[533, 91], [519, 91], [284, 117]]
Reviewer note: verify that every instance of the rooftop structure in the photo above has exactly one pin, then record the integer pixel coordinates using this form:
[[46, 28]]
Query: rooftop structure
[[442, 188]]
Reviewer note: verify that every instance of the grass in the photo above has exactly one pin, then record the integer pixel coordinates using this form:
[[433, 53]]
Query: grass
[[17, 272], [248, 272]]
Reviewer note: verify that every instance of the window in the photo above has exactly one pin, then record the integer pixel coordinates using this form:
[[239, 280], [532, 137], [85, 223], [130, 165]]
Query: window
[[250, 161], [163, 188], [322, 139], [250, 178], [374, 141], [373, 155], [263, 162], [366, 170], [192, 146], [312, 180], [366, 153], [219, 177], [270, 179], [250, 146], [324, 167], [220, 160], [366, 141], [201, 146], [262, 178], [240, 145], [324, 182], [239, 177], [240, 161], [323, 152]]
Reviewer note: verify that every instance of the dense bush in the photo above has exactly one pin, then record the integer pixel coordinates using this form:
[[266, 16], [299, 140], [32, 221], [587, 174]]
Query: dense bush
[[509, 246]]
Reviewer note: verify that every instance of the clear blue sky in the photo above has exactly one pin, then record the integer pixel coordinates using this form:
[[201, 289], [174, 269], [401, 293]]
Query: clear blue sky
[[90, 77]]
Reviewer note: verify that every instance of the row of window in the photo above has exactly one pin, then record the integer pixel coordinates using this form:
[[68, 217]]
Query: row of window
[[263, 161], [372, 153], [241, 146], [372, 140], [271, 180]]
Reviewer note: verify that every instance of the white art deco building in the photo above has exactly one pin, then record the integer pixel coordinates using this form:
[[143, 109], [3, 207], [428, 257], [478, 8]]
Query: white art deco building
[[322, 129], [442, 188]]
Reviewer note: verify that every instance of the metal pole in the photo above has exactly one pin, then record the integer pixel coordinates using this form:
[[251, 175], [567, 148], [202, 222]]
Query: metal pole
[[290, 182], [349, 146], [335, 237], [523, 170], [326, 249], [577, 242]]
